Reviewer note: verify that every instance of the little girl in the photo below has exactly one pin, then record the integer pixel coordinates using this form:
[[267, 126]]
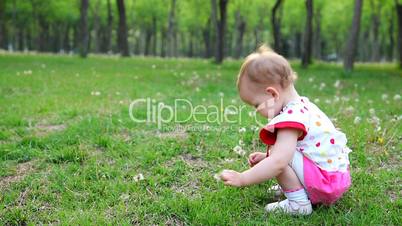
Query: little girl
[[306, 154]]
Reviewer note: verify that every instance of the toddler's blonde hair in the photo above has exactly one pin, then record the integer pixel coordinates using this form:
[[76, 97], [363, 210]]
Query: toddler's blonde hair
[[264, 66]]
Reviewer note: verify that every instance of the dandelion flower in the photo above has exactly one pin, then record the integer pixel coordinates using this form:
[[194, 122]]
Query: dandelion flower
[[349, 110], [239, 150], [397, 97], [357, 120], [337, 84], [384, 96], [242, 130], [229, 112], [138, 177]]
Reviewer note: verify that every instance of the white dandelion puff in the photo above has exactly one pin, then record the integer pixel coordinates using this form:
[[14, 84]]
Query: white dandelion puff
[[241, 143], [337, 84], [230, 112], [242, 130], [357, 120], [138, 177], [239, 150], [349, 110], [372, 111], [397, 97]]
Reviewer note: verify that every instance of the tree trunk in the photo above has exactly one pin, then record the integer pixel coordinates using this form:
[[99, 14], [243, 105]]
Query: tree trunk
[[375, 20], [148, 36], [43, 34], [96, 24], [163, 42], [206, 33], [2, 24], [308, 35], [122, 34], [84, 28], [108, 39], [276, 26], [351, 46], [66, 39], [154, 35], [190, 46], [241, 28], [13, 29], [20, 39], [171, 51], [399, 13], [220, 30], [28, 38], [390, 52], [317, 34]]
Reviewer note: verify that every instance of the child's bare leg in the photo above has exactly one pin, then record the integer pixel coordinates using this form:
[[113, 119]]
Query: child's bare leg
[[297, 201], [288, 180]]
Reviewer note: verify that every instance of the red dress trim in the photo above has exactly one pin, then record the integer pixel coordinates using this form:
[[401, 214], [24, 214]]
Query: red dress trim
[[269, 138]]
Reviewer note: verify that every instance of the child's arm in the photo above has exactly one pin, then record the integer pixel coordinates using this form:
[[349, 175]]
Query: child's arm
[[270, 167]]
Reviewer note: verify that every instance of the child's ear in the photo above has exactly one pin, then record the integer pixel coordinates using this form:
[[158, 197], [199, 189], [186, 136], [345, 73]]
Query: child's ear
[[273, 92]]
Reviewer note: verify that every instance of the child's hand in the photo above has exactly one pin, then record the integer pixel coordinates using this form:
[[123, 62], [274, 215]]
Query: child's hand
[[231, 177], [255, 158]]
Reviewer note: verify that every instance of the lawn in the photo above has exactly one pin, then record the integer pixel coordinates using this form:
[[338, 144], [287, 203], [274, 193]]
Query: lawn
[[71, 154]]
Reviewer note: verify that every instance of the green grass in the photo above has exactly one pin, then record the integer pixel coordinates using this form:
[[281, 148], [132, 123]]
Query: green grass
[[70, 157]]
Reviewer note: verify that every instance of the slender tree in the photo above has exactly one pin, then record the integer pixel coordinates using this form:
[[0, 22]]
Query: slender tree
[[276, 25], [84, 28], [2, 24], [241, 28], [351, 46], [317, 43], [390, 49], [206, 34], [108, 38], [171, 48], [375, 26], [220, 29], [399, 13], [96, 26], [308, 35], [122, 34]]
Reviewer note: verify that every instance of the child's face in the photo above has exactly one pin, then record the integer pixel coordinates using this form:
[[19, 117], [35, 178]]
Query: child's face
[[265, 100]]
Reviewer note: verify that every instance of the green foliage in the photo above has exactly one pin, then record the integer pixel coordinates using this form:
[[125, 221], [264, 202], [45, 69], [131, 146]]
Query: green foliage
[[192, 18]]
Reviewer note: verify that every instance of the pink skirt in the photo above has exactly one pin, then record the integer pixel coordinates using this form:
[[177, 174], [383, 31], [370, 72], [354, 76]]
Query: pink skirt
[[323, 186]]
